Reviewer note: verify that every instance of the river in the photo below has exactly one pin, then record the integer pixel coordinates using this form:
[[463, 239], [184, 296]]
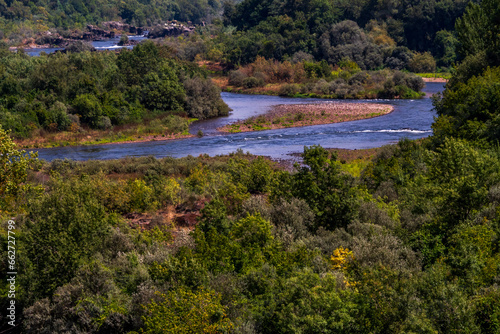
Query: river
[[410, 119], [108, 44]]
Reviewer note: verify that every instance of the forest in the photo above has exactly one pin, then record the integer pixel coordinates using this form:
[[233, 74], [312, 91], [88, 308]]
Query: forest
[[98, 90], [372, 33], [405, 240], [18, 17]]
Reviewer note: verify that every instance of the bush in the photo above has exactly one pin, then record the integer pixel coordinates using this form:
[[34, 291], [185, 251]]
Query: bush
[[288, 90], [236, 78], [175, 124], [58, 114], [123, 40], [89, 108], [141, 196], [415, 82], [203, 99], [103, 123], [261, 77], [182, 311], [252, 82], [422, 63], [80, 46], [361, 77]]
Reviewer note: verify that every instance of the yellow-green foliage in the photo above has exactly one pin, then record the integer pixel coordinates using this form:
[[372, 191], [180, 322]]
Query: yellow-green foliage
[[435, 75], [172, 191], [159, 234], [14, 167], [182, 311], [141, 196], [355, 167], [341, 257], [204, 181]]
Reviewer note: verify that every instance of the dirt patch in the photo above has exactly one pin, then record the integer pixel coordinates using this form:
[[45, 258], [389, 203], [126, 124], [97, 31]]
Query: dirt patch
[[435, 80], [296, 115]]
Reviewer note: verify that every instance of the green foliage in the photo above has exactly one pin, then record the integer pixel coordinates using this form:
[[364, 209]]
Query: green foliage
[[422, 62], [477, 30], [102, 89], [469, 109], [141, 196], [321, 184], [421, 224], [77, 14], [14, 166], [309, 303], [331, 30], [183, 311], [67, 227], [445, 48]]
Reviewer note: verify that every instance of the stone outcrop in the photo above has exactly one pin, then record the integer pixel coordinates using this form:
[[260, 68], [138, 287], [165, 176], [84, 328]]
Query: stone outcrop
[[120, 26], [170, 29], [95, 33]]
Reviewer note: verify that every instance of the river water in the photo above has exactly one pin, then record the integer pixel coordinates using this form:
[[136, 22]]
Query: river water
[[108, 44], [410, 119]]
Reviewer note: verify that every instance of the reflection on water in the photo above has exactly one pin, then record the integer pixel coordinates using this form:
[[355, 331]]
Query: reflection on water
[[411, 119]]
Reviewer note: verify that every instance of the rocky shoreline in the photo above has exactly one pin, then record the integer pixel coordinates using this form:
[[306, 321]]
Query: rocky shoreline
[[106, 30]]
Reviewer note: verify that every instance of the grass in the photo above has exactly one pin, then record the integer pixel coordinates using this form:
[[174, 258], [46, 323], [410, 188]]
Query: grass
[[150, 131]]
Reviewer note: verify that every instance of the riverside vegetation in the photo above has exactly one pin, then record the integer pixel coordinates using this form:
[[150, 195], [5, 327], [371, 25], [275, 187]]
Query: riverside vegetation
[[404, 242], [65, 98], [305, 78]]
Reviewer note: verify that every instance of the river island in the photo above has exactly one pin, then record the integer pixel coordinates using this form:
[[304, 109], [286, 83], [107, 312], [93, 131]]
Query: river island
[[297, 115]]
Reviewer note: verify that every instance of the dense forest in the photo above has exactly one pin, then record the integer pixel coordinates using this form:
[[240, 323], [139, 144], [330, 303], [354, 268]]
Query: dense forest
[[16, 16], [405, 242], [372, 33], [419, 25], [97, 90]]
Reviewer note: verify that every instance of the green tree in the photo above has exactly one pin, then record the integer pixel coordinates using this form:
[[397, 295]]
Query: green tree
[[65, 228], [89, 108], [181, 312], [14, 166], [327, 191], [470, 110]]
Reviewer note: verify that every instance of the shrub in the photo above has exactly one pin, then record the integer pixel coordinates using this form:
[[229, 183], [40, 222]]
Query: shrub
[[103, 123], [288, 90], [236, 78], [361, 77], [251, 82], [80, 46], [89, 108], [141, 196], [123, 40], [183, 311], [203, 99], [422, 63]]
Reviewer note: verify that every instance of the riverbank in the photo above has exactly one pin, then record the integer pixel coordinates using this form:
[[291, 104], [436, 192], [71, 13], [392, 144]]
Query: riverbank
[[97, 137], [298, 115], [336, 89]]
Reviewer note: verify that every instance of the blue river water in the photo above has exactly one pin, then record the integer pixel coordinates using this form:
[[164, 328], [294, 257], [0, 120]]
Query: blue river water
[[108, 44], [410, 119]]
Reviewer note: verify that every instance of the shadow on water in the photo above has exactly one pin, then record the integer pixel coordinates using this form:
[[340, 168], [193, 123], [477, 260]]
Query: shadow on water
[[410, 119]]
